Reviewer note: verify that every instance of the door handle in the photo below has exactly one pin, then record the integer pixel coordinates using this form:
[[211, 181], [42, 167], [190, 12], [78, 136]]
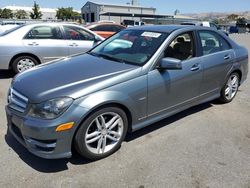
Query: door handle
[[195, 67], [33, 44], [73, 44], [226, 57]]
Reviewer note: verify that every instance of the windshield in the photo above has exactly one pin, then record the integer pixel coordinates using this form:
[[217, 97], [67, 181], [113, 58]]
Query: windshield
[[130, 46], [11, 30]]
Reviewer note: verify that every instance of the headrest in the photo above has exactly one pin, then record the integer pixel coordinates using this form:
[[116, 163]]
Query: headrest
[[210, 42], [185, 48], [180, 39]]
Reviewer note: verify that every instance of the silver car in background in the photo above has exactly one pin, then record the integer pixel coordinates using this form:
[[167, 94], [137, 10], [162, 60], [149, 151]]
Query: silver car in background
[[28, 45]]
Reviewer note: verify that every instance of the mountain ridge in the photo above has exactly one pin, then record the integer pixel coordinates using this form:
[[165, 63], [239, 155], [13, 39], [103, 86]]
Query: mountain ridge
[[218, 15]]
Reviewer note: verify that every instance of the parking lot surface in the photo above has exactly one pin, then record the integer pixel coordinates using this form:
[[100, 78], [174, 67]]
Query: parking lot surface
[[205, 146]]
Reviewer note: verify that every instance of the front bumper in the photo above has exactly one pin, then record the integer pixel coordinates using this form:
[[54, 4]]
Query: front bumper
[[39, 136]]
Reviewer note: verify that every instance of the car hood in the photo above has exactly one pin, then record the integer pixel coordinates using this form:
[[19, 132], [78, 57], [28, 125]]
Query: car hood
[[73, 77]]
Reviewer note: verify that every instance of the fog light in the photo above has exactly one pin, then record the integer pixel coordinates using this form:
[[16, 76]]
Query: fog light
[[65, 126]]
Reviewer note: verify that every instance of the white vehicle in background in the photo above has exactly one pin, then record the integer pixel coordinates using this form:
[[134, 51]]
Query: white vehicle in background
[[205, 24], [209, 24], [131, 23], [28, 45]]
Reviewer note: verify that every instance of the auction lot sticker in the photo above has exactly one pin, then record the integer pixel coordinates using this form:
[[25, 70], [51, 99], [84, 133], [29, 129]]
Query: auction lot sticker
[[150, 34]]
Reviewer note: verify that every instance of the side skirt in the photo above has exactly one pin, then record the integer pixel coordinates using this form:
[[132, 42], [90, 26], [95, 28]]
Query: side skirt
[[150, 120]]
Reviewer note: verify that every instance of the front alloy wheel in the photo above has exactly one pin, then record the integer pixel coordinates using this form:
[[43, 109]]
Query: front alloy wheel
[[102, 133]]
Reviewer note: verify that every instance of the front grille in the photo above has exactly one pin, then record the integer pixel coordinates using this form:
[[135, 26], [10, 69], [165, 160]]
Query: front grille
[[17, 101]]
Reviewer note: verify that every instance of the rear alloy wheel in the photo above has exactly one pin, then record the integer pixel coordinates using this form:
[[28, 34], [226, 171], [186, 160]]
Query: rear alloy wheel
[[102, 133], [23, 63], [230, 89]]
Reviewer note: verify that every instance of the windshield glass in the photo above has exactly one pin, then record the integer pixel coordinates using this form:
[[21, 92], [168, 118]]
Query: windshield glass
[[11, 30], [130, 46]]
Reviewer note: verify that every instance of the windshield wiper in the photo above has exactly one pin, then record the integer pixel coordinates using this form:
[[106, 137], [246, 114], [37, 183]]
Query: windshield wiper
[[105, 56], [93, 54]]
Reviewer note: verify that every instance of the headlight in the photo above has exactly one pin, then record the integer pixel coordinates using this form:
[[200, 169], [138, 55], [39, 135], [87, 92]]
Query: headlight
[[50, 109]]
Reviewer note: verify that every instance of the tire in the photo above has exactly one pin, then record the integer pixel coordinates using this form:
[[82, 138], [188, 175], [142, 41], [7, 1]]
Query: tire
[[23, 63], [228, 91], [107, 138]]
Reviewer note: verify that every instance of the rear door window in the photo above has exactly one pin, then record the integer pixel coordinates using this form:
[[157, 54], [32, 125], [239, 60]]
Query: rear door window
[[212, 42], [104, 28], [44, 32], [118, 28], [109, 28]]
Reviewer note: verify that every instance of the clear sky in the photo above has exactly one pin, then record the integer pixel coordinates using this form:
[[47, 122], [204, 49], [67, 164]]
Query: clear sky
[[162, 6]]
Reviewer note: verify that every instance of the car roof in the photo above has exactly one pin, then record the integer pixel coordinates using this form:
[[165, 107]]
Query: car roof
[[162, 28], [103, 23], [52, 24]]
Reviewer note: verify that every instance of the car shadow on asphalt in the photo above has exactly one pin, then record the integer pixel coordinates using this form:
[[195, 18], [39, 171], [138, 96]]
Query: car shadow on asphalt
[[40, 164], [57, 165], [5, 74]]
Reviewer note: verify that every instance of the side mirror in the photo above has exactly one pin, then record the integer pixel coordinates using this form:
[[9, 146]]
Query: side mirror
[[170, 64]]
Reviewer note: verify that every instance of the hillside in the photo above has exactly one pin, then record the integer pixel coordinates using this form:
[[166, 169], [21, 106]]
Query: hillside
[[218, 15]]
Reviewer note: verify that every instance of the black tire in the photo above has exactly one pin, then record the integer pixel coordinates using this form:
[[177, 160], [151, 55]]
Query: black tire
[[20, 58], [80, 143], [223, 98]]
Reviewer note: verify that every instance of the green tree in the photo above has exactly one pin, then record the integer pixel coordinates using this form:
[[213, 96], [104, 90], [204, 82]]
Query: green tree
[[36, 14], [176, 12], [232, 17], [21, 14], [67, 13], [241, 21], [6, 13], [216, 21]]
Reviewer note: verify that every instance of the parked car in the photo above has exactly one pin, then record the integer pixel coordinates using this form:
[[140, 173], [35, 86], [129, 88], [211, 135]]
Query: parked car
[[28, 45], [156, 72], [233, 29], [202, 23], [105, 29], [131, 23]]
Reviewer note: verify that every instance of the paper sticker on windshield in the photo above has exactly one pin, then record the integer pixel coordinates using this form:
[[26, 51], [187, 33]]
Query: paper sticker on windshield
[[151, 34]]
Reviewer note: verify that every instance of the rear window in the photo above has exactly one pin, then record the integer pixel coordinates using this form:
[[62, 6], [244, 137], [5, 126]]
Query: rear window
[[110, 28], [11, 30]]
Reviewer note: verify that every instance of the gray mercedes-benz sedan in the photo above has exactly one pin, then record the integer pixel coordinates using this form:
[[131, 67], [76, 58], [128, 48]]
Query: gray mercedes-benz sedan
[[131, 80]]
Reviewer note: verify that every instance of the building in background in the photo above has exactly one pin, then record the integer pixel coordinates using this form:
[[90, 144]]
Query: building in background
[[162, 19], [94, 12]]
